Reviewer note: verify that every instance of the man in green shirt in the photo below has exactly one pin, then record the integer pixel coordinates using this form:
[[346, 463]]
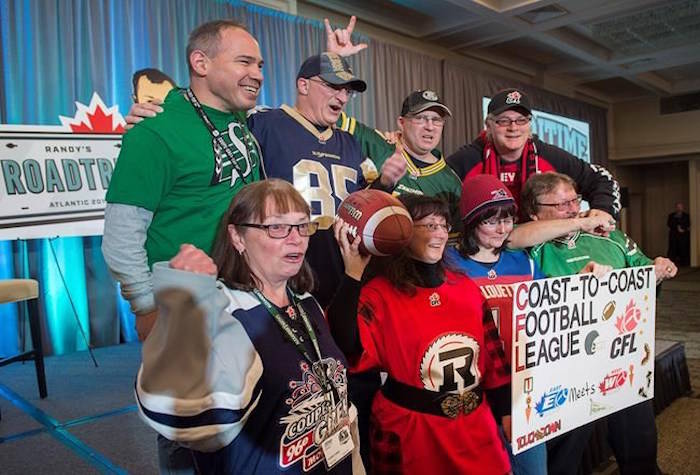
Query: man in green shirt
[[551, 201], [552, 197], [177, 173], [413, 163]]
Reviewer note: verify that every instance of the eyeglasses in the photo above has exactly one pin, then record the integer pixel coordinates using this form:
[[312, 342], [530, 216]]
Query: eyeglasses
[[337, 89], [424, 119], [281, 231], [506, 122], [564, 205], [433, 227], [493, 223]]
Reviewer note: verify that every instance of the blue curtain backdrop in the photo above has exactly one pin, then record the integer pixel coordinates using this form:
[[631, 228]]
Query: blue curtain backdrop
[[55, 53]]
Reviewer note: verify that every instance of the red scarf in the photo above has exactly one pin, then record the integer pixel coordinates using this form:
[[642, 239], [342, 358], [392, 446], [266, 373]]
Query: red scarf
[[492, 163]]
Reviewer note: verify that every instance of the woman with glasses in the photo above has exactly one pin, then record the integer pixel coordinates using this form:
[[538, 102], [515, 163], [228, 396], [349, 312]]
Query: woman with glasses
[[243, 369], [426, 326], [507, 150], [488, 213]]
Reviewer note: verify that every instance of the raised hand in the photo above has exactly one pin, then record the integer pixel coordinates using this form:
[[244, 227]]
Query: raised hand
[[193, 259], [339, 41], [355, 263], [393, 168]]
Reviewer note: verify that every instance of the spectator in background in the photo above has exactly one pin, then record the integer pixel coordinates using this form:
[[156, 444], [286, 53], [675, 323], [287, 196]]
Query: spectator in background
[[678, 224]]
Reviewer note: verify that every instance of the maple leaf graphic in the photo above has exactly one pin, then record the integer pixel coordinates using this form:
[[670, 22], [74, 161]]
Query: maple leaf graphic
[[99, 122], [628, 321], [95, 118]]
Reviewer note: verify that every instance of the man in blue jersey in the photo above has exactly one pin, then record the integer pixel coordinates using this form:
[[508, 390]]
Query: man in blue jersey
[[301, 145]]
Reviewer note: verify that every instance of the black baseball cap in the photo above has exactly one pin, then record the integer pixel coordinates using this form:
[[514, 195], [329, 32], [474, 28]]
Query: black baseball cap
[[418, 101], [509, 99], [332, 68]]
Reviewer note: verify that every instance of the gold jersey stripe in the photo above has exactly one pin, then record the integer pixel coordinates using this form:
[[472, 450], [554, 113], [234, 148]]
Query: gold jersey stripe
[[429, 170], [294, 114]]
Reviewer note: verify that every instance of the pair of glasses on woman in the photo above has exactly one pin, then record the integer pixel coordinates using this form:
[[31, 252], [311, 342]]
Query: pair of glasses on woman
[[494, 222], [281, 231], [434, 227]]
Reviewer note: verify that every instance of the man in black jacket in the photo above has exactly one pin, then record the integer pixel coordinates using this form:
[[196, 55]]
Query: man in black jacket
[[507, 149]]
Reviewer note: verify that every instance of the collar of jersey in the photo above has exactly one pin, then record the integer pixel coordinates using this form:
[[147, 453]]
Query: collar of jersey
[[294, 114], [414, 170], [566, 240]]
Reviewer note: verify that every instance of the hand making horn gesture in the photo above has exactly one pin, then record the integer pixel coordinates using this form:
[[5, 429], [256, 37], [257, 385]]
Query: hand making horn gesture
[[339, 41]]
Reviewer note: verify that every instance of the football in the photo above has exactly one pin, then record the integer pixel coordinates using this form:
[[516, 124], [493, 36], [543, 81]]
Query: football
[[380, 219], [609, 310]]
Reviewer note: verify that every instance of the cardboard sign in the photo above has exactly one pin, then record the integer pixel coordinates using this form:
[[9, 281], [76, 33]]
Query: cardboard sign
[[53, 179], [583, 348]]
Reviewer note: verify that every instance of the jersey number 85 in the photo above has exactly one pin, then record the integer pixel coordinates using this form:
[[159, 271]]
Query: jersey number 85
[[324, 192]]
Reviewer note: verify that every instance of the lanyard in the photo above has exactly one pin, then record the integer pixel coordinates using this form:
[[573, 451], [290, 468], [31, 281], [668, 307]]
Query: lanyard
[[287, 330], [218, 138]]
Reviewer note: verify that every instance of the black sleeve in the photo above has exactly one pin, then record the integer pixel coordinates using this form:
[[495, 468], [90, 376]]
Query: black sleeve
[[499, 401], [342, 317], [464, 159], [377, 185], [594, 182]]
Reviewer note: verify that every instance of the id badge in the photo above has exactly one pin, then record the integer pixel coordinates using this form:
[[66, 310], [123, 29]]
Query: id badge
[[337, 446]]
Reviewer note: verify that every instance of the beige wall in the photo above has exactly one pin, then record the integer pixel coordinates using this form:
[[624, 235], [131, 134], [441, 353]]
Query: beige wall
[[694, 200], [654, 189], [475, 62], [657, 157], [640, 131]]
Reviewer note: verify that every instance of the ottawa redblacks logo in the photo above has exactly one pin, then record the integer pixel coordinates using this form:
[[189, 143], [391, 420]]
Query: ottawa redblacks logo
[[451, 364]]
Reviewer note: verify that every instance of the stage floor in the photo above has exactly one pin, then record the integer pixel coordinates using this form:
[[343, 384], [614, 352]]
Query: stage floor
[[88, 424]]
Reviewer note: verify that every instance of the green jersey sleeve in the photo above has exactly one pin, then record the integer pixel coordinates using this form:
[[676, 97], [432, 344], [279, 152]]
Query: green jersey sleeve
[[373, 143], [143, 172], [633, 255]]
